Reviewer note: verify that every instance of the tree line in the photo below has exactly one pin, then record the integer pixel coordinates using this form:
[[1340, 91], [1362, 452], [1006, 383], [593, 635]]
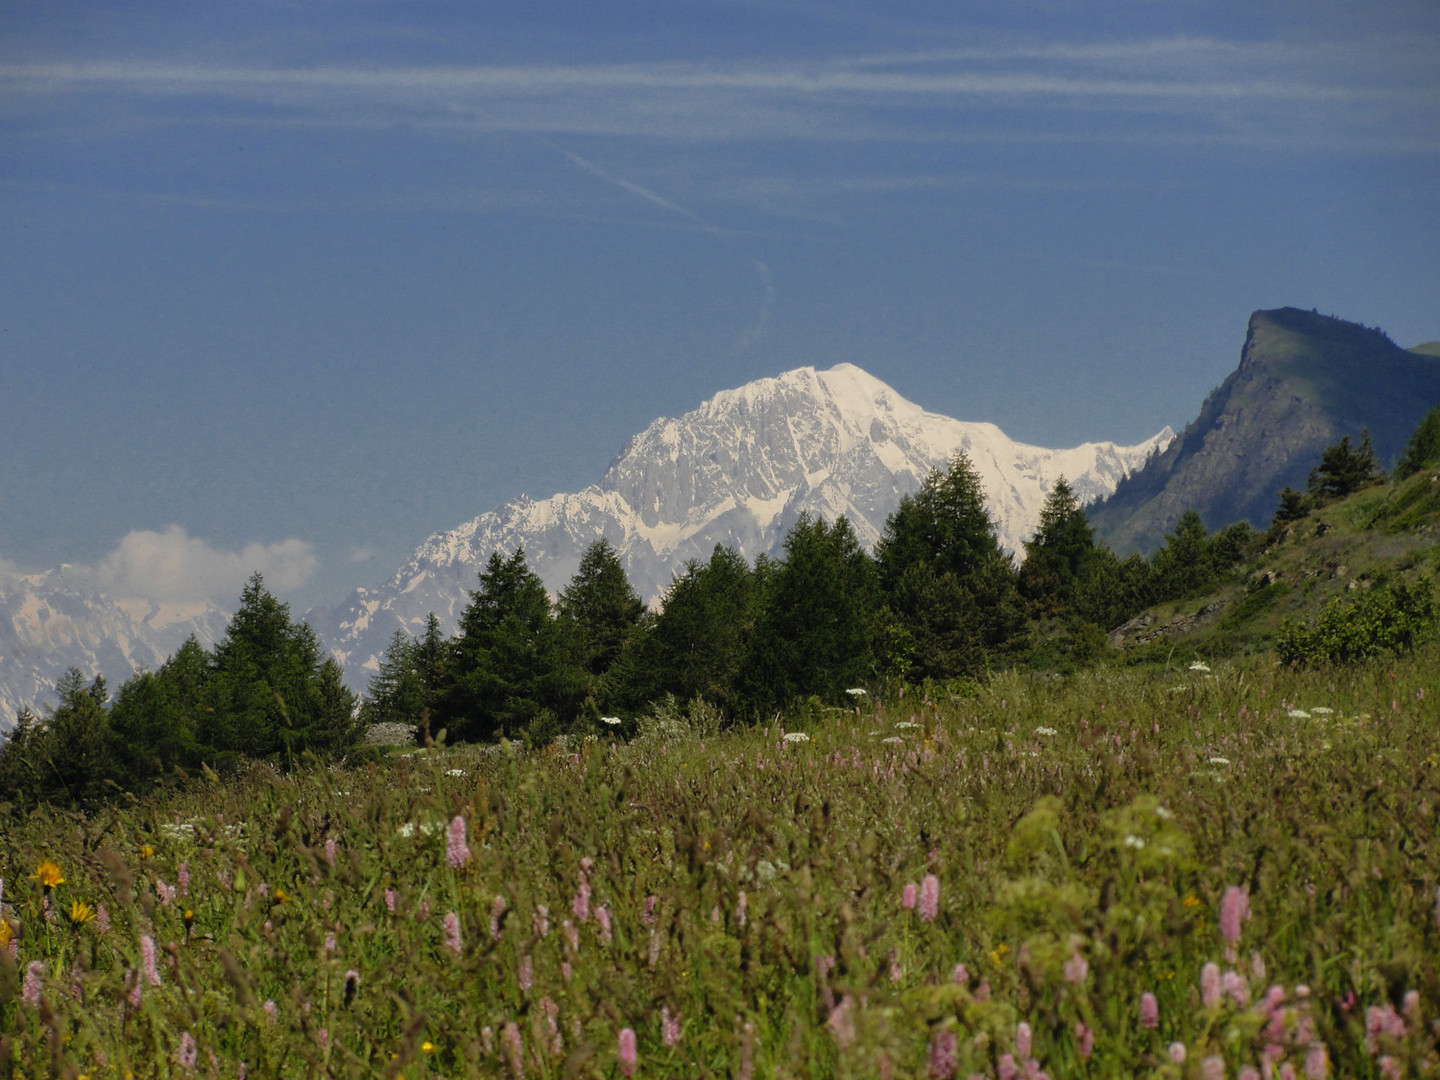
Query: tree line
[[938, 603]]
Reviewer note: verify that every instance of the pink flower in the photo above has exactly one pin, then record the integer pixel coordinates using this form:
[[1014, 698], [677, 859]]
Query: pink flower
[[648, 915], [330, 852], [497, 908], [184, 873], [542, 920], [102, 918], [841, 1023], [929, 903], [1235, 985], [1085, 1039], [457, 852], [1249, 1072], [627, 1051], [1317, 1063], [271, 1009], [581, 904], [669, 1027], [514, 1049], [452, 932], [147, 960], [1149, 1011], [740, 909], [908, 896], [1210, 985], [572, 935], [1022, 1039], [30, 991], [943, 1049], [960, 976], [526, 974], [1076, 968], [1234, 909], [187, 1052], [1007, 1068], [1177, 1053], [602, 919], [1212, 1068], [390, 901]]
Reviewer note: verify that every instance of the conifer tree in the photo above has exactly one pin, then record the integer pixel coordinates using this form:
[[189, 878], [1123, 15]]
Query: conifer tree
[[1423, 448], [1344, 470]]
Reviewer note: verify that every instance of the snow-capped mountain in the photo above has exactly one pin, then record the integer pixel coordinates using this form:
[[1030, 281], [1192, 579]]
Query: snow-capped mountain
[[49, 624], [738, 471]]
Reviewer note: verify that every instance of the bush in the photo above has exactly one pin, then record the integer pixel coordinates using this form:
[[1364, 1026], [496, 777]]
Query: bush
[[1391, 617]]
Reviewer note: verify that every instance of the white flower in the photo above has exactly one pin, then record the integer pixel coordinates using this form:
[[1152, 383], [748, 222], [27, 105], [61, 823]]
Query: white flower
[[1163, 814], [893, 739], [1047, 731], [796, 736], [1134, 841], [1219, 761], [454, 772], [906, 725], [856, 691], [1199, 665], [1298, 714], [1321, 710], [613, 721]]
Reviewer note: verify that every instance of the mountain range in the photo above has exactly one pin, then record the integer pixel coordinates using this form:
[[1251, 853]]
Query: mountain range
[[738, 472]]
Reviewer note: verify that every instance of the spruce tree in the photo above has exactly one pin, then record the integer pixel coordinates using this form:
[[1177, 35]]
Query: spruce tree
[[1422, 451], [1344, 470]]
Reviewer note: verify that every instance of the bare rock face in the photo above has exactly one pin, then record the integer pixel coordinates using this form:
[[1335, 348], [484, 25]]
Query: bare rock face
[[738, 472]]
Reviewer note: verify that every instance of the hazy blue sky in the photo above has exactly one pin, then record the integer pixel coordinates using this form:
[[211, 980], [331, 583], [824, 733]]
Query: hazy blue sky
[[299, 284]]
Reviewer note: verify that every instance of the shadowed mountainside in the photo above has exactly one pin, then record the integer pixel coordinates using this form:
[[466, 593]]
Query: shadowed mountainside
[[1305, 380]]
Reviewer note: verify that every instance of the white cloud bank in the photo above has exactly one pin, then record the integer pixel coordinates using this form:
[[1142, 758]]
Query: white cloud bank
[[172, 567]]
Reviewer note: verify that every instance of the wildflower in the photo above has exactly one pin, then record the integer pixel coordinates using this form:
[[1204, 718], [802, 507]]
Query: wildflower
[[1163, 814], [960, 976], [1234, 908], [626, 1051], [166, 893], [1210, 985], [943, 1049], [1149, 1011], [1317, 1064], [796, 737], [670, 1026], [187, 1051], [30, 991], [7, 939], [1085, 1040], [1200, 666], [525, 975], [740, 909], [271, 1009], [427, 1047], [610, 721], [80, 913], [323, 1037], [390, 901], [457, 852], [1237, 988], [1298, 714], [893, 739], [908, 896], [542, 920], [497, 909], [929, 903], [452, 932], [1007, 1068], [1076, 968], [1177, 1053], [1046, 731], [281, 896], [330, 943], [602, 919], [906, 725], [572, 935], [581, 904], [48, 874], [1321, 710], [147, 960], [856, 691], [1022, 1039], [1219, 761], [1212, 1068], [1133, 841], [330, 852], [146, 851], [514, 1049]]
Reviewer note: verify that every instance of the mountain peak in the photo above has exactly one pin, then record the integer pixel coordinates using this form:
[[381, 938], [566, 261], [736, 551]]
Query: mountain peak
[[737, 471]]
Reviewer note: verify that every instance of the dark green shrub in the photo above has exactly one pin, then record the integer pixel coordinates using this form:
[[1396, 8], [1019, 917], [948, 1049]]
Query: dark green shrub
[[1391, 617]]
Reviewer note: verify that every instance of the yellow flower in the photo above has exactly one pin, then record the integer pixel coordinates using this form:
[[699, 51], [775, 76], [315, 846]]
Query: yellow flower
[[146, 851], [81, 913], [280, 895], [7, 934], [1191, 901], [48, 874], [427, 1047]]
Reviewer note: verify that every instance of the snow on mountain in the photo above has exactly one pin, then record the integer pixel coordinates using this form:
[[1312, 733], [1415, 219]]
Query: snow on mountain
[[738, 471], [49, 625]]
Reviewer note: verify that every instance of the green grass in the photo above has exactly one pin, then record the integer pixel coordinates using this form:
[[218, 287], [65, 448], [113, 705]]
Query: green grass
[[1112, 839]]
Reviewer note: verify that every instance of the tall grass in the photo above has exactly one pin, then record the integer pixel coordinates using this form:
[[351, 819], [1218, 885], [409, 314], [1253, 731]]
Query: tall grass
[[738, 901]]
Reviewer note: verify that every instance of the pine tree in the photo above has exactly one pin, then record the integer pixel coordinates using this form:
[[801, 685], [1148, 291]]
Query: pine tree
[[1422, 451], [816, 626], [503, 663], [1057, 557], [1185, 564], [1343, 470], [601, 609]]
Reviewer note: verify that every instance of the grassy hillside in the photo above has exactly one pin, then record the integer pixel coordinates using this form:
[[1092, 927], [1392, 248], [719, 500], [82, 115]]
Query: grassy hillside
[[1094, 878], [1389, 533]]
